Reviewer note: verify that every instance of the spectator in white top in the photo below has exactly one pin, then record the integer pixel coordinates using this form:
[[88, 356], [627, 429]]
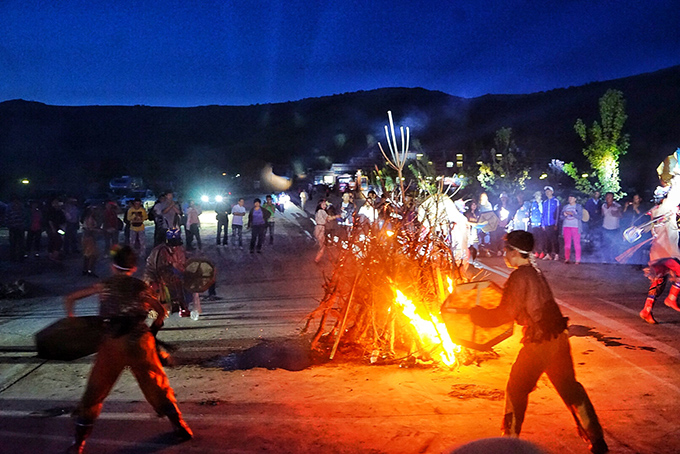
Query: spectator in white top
[[611, 217]]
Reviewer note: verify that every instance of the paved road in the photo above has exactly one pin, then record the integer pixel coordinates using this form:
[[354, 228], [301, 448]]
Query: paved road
[[630, 369]]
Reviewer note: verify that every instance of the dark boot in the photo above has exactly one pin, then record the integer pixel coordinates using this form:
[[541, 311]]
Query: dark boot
[[181, 428], [82, 432]]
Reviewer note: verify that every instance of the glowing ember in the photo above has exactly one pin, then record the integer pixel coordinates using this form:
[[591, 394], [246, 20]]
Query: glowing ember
[[432, 332]]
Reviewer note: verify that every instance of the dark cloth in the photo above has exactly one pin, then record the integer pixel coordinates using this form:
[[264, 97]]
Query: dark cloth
[[257, 237], [528, 300], [254, 218]]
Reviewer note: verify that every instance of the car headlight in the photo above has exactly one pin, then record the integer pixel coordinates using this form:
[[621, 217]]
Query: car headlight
[[218, 198], [205, 199]]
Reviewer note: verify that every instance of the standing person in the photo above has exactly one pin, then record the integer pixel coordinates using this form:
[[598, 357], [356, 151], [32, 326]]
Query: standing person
[[222, 217], [303, 199], [111, 225], [193, 226], [572, 215], [35, 228], [91, 229], [164, 273], [136, 215], [322, 218], [549, 218], [257, 222], [238, 211], [520, 220], [472, 215], [632, 211], [15, 219], [611, 219], [126, 223], [504, 212], [664, 254], [269, 206], [168, 215], [528, 300], [347, 208], [125, 301], [535, 226], [72, 215], [56, 223], [594, 208]]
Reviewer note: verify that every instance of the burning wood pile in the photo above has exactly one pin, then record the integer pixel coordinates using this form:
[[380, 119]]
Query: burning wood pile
[[384, 297]]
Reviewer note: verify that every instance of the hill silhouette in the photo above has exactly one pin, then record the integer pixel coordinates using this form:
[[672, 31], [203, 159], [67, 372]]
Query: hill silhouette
[[62, 146]]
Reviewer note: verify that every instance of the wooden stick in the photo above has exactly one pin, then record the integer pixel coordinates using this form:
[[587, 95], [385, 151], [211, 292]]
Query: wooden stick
[[344, 319]]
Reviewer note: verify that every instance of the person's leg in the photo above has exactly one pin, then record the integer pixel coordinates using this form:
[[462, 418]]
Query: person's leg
[[220, 225], [197, 234], [576, 235], [567, 232], [560, 371], [253, 237], [239, 230], [260, 237], [107, 368], [524, 375]]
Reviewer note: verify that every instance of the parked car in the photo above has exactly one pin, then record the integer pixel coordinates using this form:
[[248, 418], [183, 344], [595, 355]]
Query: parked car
[[147, 196]]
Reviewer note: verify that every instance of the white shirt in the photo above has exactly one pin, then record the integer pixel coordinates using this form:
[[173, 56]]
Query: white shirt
[[609, 221], [237, 220]]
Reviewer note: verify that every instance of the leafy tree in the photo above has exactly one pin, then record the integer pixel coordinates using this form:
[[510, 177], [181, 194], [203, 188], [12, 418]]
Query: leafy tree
[[505, 171], [605, 143]]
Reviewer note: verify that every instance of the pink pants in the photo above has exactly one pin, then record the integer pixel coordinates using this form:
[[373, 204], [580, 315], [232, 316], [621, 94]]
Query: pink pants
[[572, 233]]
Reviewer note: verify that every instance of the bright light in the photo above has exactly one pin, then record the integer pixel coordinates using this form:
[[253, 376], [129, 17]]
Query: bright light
[[543, 176], [449, 164], [25, 181], [584, 175], [205, 199], [224, 174], [218, 198]]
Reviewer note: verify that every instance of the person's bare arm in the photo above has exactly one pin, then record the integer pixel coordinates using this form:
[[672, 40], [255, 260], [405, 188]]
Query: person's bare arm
[[71, 298]]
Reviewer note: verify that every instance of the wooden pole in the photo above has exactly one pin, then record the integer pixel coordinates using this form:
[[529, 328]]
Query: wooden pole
[[344, 318]]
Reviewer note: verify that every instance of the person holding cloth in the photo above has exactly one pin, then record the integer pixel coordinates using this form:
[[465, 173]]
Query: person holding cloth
[[528, 300], [125, 302], [572, 216]]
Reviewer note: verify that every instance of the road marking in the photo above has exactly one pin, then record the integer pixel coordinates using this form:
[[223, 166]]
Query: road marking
[[619, 327]]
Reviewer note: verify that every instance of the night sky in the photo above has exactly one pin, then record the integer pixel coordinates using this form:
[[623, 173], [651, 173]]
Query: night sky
[[189, 53]]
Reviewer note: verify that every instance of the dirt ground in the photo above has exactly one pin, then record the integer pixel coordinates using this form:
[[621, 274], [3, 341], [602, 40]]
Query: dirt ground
[[339, 406]]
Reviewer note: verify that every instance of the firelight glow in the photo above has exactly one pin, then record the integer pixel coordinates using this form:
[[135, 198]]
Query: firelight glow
[[432, 332]]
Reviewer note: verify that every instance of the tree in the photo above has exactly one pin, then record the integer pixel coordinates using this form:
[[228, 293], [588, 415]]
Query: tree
[[605, 143], [505, 171]]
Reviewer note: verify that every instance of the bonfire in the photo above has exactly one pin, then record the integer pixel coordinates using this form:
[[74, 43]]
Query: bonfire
[[394, 281]]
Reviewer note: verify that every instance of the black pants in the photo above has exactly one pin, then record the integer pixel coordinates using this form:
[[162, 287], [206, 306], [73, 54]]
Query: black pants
[[552, 243], [257, 236], [270, 228], [194, 230], [222, 239]]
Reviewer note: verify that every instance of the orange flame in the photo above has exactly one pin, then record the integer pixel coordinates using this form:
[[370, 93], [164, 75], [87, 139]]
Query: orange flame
[[431, 332]]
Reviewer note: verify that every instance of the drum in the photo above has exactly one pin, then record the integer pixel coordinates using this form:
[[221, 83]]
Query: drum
[[199, 275], [455, 313], [70, 338], [491, 221]]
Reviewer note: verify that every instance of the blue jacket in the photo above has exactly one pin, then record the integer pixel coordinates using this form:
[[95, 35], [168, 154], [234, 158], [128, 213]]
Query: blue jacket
[[551, 212]]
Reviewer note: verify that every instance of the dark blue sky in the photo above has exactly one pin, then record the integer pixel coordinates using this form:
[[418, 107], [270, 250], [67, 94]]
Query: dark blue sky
[[188, 53]]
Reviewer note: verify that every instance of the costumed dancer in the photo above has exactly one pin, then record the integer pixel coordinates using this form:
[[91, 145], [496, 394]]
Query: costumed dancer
[[125, 302], [528, 300], [664, 255], [164, 273]]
